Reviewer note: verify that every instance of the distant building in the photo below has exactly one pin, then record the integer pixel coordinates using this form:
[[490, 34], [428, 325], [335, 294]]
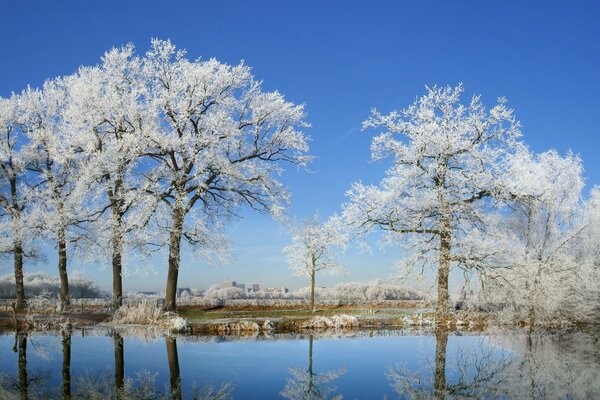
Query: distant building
[[255, 287], [277, 290], [230, 284], [147, 294]]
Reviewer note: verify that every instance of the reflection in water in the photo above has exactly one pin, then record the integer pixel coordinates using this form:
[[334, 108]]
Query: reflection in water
[[24, 384], [119, 365], [501, 364], [207, 392], [515, 364], [559, 365], [173, 360], [66, 365], [441, 344], [22, 349], [308, 385], [479, 371]]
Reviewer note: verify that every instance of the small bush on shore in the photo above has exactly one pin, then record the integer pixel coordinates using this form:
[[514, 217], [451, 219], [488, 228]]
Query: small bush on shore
[[147, 312]]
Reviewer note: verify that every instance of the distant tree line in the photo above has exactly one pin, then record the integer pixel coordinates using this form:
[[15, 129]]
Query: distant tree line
[[41, 283]]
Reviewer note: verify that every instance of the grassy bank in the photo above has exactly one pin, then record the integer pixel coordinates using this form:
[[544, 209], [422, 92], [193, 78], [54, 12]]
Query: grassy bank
[[248, 319]]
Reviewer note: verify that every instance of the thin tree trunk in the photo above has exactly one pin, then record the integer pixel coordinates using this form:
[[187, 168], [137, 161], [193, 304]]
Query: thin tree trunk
[[115, 196], [17, 248], [117, 251], [174, 375], [66, 365], [23, 381], [441, 342], [174, 257], [62, 269], [19, 285], [119, 365], [312, 288], [443, 271]]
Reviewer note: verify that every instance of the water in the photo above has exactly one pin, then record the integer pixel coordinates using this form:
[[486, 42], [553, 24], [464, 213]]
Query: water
[[106, 364]]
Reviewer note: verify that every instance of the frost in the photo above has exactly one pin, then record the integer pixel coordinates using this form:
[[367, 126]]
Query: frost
[[341, 321]]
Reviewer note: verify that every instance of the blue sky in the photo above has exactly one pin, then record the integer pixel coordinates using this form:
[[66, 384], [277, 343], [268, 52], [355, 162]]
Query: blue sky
[[340, 58]]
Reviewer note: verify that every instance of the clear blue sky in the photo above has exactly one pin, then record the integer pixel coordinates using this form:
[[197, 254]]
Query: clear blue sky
[[340, 58]]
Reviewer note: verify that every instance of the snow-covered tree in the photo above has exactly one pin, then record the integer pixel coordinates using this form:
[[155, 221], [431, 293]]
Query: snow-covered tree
[[60, 197], [447, 159], [546, 222], [219, 144], [107, 108], [313, 249], [15, 192]]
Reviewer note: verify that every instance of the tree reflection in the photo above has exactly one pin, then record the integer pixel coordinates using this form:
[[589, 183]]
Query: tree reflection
[[173, 360], [207, 392], [21, 337], [24, 384], [66, 364], [441, 344], [562, 364], [478, 372], [119, 365], [305, 384]]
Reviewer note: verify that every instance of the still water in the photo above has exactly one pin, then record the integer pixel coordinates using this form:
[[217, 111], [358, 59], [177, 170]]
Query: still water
[[132, 364]]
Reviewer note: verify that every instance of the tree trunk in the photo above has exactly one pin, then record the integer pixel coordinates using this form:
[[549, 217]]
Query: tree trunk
[[119, 365], [443, 270], [17, 248], [62, 269], [174, 375], [19, 285], [441, 342], [115, 196], [66, 365], [174, 257], [312, 289], [117, 251]]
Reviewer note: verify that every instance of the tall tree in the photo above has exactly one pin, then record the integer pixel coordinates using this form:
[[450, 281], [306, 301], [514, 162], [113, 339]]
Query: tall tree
[[15, 193], [313, 250], [59, 195], [546, 223], [218, 145], [447, 158], [107, 108]]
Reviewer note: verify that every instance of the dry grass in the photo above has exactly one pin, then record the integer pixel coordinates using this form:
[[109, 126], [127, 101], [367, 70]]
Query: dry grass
[[148, 313], [342, 321]]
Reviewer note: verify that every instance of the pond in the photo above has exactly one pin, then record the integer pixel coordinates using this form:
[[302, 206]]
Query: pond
[[132, 364]]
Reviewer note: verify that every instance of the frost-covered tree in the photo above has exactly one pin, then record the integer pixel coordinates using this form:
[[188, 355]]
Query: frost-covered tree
[[447, 159], [107, 109], [59, 196], [545, 220], [218, 145], [588, 247], [313, 249], [15, 192]]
